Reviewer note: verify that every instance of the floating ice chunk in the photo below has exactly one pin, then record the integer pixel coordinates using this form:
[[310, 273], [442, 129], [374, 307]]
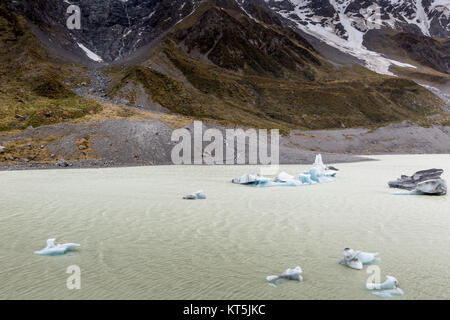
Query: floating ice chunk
[[351, 260], [259, 181], [289, 274], [53, 249], [249, 179], [199, 195], [272, 278], [354, 263], [368, 258], [426, 182], [390, 283], [293, 274], [387, 289], [356, 259], [319, 173]]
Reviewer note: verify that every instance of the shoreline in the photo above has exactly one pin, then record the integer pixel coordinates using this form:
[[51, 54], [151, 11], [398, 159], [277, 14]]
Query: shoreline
[[99, 164], [117, 143], [105, 164]]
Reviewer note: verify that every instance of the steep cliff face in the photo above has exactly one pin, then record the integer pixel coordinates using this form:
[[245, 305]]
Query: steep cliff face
[[110, 29], [229, 39]]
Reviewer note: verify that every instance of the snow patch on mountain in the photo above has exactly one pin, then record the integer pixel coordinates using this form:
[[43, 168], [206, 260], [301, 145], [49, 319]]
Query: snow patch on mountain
[[91, 55], [340, 29]]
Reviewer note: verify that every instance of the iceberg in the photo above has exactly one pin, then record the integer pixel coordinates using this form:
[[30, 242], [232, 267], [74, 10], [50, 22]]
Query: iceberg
[[248, 179], [319, 173], [357, 259], [367, 258], [426, 182], [387, 289], [290, 274], [53, 249], [199, 195]]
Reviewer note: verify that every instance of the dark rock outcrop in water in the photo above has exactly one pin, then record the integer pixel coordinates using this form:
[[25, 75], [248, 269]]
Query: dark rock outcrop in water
[[422, 182]]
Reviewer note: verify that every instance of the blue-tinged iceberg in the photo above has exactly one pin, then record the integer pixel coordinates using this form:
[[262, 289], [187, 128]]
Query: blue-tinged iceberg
[[319, 173], [53, 249], [387, 289]]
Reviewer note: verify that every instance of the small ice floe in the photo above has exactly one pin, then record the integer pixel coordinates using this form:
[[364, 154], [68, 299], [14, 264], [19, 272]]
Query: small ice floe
[[53, 249], [199, 195], [426, 182], [356, 259], [387, 289], [290, 274], [319, 173]]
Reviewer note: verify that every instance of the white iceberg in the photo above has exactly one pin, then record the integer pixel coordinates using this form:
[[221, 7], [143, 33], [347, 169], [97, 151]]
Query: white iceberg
[[390, 283], [290, 274], [199, 195], [53, 249], [387, 289], [356, 259], [319, 173]]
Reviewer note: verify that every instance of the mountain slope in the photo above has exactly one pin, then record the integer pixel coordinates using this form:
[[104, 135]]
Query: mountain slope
[[229, 61], [233, 69], [343, 24], [34, 87]]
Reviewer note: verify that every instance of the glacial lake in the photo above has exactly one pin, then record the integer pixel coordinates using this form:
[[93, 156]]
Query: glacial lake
[[140, 240]]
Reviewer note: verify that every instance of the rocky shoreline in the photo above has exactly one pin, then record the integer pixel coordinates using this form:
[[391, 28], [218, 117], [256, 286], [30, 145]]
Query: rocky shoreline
[[123, 143]]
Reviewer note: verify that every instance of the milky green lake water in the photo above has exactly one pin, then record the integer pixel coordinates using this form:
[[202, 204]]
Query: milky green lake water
[[140, 240]]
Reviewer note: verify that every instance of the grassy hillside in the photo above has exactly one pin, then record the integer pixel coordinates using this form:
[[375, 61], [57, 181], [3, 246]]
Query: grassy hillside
[[34, 86]]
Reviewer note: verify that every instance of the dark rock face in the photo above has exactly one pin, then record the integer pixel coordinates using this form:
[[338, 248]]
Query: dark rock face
[[114, 29], [111, 29], [430, 52], [411, 183], [234, 42]]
